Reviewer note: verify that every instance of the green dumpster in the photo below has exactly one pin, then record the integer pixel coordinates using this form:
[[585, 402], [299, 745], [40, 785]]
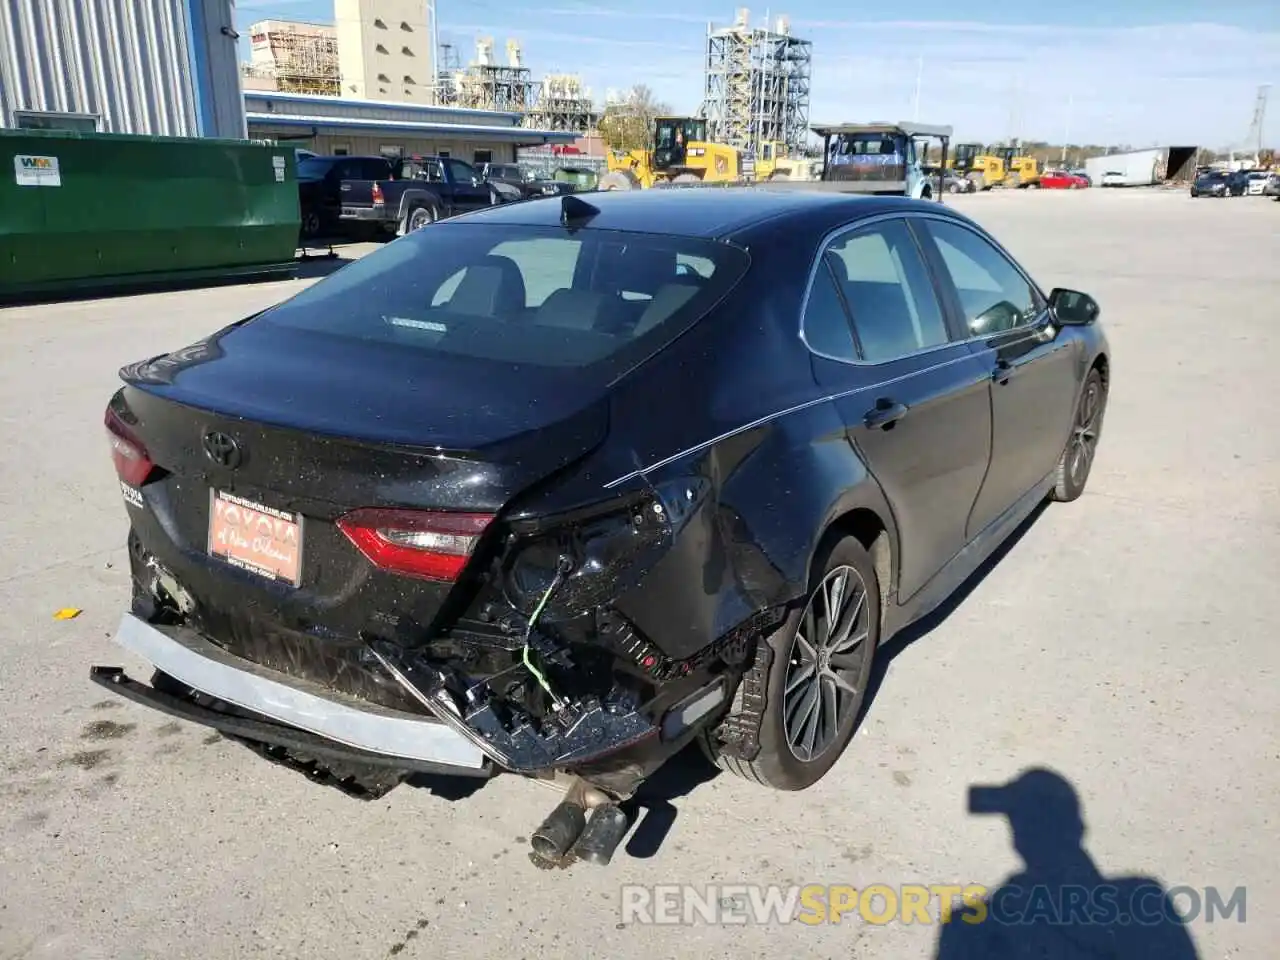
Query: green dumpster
[[84, 210]]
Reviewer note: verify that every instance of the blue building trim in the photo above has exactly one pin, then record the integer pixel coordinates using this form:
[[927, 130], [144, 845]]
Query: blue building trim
[[201, 74], [277, 96], [456, 130]]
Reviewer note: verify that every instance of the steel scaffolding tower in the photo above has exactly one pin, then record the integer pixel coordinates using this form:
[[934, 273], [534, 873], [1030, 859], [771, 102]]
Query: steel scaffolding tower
[[757, 85], [563, 104]]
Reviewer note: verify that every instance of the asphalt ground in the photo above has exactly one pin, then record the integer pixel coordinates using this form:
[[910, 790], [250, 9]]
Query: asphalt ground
[[1126, 642]]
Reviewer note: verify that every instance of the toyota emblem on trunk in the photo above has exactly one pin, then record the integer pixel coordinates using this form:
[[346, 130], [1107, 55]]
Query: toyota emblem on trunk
[[222, 449]]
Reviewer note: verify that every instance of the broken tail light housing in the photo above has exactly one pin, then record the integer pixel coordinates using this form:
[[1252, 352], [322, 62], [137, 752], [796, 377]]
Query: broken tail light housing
[[133, 463], [428, 545]]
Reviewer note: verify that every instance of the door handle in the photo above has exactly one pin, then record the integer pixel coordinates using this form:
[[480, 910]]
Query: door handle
[[1002, 372], [884, 414]]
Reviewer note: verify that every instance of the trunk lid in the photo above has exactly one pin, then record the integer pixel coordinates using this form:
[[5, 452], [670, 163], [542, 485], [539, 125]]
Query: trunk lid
[[322, 430]]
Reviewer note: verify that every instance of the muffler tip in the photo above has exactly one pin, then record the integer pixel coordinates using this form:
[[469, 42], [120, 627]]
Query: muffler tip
[[563, 826], [602, 834]]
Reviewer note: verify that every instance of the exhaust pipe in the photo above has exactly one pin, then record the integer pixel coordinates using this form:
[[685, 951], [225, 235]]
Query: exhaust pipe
[[563, 826], [604, 831], [585, 825]]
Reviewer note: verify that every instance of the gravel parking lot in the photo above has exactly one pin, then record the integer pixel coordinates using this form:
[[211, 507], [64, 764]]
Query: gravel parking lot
[[1126, 642]]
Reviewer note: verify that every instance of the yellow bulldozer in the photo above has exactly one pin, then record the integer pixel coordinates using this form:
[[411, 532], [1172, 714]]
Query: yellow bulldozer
[[980, 165], [995, 166], [1022, 170], [680, 153]]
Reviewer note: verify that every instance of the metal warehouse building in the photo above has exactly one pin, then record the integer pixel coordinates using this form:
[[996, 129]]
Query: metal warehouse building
[[332, 125], [163, 67]]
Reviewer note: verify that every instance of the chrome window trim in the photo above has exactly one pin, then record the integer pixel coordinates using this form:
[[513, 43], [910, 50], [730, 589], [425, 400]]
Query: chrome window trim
[[832, 235], [864, 388]]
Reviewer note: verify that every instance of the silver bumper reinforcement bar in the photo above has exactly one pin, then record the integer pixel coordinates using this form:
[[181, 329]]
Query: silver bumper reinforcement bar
[[187, 657]]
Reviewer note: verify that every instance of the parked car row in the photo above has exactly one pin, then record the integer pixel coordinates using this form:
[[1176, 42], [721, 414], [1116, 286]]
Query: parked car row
[[1236, 183], [340, 194]]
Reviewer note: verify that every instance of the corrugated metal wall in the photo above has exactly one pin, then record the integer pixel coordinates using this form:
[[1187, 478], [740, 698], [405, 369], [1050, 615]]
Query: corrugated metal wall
[[213, 27], [132, 63]]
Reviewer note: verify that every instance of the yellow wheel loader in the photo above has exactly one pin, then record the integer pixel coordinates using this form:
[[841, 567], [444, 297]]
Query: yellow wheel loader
[[680, 153]]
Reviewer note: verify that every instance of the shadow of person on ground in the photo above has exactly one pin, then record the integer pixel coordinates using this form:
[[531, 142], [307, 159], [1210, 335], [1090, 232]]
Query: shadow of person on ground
[[1059, 906]]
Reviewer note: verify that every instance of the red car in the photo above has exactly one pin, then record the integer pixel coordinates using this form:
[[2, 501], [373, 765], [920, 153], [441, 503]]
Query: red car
[[1061, 180]]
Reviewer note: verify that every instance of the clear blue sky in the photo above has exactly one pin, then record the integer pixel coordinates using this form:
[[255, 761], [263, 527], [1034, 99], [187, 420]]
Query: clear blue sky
[[1160, 72]]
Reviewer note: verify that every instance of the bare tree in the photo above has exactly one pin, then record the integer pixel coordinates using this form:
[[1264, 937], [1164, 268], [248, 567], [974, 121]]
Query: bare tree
[[628, 124]]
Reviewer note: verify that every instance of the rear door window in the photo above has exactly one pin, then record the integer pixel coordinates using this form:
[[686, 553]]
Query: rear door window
[[884, 280], [521, 295]]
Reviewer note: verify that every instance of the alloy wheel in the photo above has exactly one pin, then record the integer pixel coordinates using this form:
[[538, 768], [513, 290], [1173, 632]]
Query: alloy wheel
[[1084, 438], [826, 660]]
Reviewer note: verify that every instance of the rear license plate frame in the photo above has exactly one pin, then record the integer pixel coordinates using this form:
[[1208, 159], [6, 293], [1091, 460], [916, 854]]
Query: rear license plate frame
[[264, 511]]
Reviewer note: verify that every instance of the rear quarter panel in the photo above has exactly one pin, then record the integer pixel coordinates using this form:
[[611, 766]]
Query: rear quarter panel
[[731, 420]]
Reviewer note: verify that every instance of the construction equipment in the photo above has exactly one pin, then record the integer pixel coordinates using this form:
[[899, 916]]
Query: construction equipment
[[980, 166], [1021, 170], [680, 153]]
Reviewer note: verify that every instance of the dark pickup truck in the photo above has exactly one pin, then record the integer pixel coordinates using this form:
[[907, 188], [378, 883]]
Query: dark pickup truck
[[320, 188], [417, 191]]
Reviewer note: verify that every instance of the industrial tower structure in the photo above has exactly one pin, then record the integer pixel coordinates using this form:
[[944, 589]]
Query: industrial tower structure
[[485, 84], [757, 84], [563, 104], [293, 57]]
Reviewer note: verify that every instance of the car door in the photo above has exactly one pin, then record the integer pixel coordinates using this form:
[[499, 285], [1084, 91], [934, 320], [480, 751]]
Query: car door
[[469, 191], [915, 401], [1034, 371]]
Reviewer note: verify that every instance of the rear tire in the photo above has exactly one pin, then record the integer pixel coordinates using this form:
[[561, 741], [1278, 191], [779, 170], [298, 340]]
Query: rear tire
[[1082, 446], [310, 227], [816, 684], [420, 217]]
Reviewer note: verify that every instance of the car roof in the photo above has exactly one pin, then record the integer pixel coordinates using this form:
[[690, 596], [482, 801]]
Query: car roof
[[707, 212]]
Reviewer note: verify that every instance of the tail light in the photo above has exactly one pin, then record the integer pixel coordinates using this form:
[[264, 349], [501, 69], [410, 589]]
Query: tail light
[[377, 194], [133, 463], [415, 543]]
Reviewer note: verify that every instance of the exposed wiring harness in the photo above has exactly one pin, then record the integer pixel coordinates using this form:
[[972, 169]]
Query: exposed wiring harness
[[563, 566]]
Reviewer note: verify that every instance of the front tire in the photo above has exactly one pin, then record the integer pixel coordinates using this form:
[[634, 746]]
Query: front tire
[[819, 668], [1077, 458]]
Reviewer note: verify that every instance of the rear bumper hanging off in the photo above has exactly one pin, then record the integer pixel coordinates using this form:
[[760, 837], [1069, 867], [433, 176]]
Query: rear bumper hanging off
[[295, 713]]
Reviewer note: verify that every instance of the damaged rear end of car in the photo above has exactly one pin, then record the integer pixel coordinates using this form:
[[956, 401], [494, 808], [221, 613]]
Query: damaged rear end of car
[[372, 530]]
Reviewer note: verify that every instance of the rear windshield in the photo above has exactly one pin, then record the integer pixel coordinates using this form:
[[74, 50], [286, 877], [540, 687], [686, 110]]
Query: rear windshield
[[541, 296], [313, 168]]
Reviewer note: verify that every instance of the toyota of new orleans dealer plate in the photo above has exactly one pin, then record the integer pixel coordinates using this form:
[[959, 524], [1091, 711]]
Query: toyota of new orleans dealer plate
[[255, 537]]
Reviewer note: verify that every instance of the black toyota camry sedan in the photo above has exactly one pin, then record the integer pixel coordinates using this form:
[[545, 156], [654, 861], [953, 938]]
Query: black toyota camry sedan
[[558, 487]]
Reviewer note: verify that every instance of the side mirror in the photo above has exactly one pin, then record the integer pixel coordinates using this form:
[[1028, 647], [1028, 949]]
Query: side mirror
[[1073, 308]]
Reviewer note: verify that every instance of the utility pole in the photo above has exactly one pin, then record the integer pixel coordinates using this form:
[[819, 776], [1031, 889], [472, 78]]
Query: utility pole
[[1066, 134], [915, 112], [435, 51]]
